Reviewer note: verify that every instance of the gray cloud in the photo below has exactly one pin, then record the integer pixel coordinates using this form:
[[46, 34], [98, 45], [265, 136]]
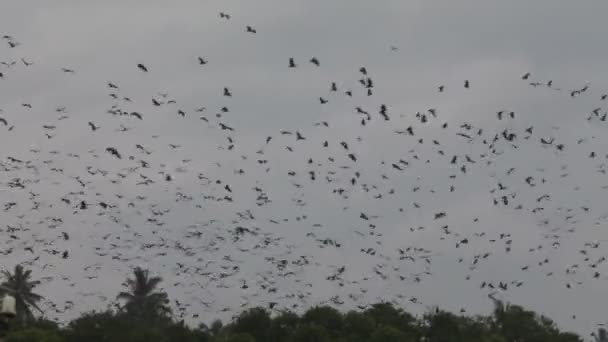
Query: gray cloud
[[492, 44]]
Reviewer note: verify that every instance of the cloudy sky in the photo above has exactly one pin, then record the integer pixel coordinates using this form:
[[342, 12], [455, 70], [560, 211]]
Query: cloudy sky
[[183, 229]]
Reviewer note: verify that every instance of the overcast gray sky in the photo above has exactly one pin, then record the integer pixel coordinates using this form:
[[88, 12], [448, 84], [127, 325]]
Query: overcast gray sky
[[490, 43]]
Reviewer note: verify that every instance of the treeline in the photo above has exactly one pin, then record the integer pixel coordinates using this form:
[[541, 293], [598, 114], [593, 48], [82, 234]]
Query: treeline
[[145, 316], [380, 323]]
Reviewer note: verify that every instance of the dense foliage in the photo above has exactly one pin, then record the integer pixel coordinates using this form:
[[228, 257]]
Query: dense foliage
[[145, 317], [379, 323]]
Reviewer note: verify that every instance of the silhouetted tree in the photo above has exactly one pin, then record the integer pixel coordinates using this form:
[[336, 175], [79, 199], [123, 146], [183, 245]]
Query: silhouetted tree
[[19, 285], [389, 334], [255, 322], [146, 318], [141, 300], [358, 327], [310, 333], [326, 317], [282, 326]]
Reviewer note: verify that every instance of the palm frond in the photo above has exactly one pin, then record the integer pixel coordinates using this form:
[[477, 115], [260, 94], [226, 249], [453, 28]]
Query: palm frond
[[33, 304], [125, 295]]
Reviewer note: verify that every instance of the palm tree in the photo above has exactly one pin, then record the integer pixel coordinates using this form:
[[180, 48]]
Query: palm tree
[[20, 286], [141, 299]]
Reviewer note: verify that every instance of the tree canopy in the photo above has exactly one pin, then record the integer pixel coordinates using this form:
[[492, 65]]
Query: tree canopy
[[146, 317]]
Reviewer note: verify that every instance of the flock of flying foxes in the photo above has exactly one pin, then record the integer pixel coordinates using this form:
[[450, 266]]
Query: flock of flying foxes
[[247, 219]]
